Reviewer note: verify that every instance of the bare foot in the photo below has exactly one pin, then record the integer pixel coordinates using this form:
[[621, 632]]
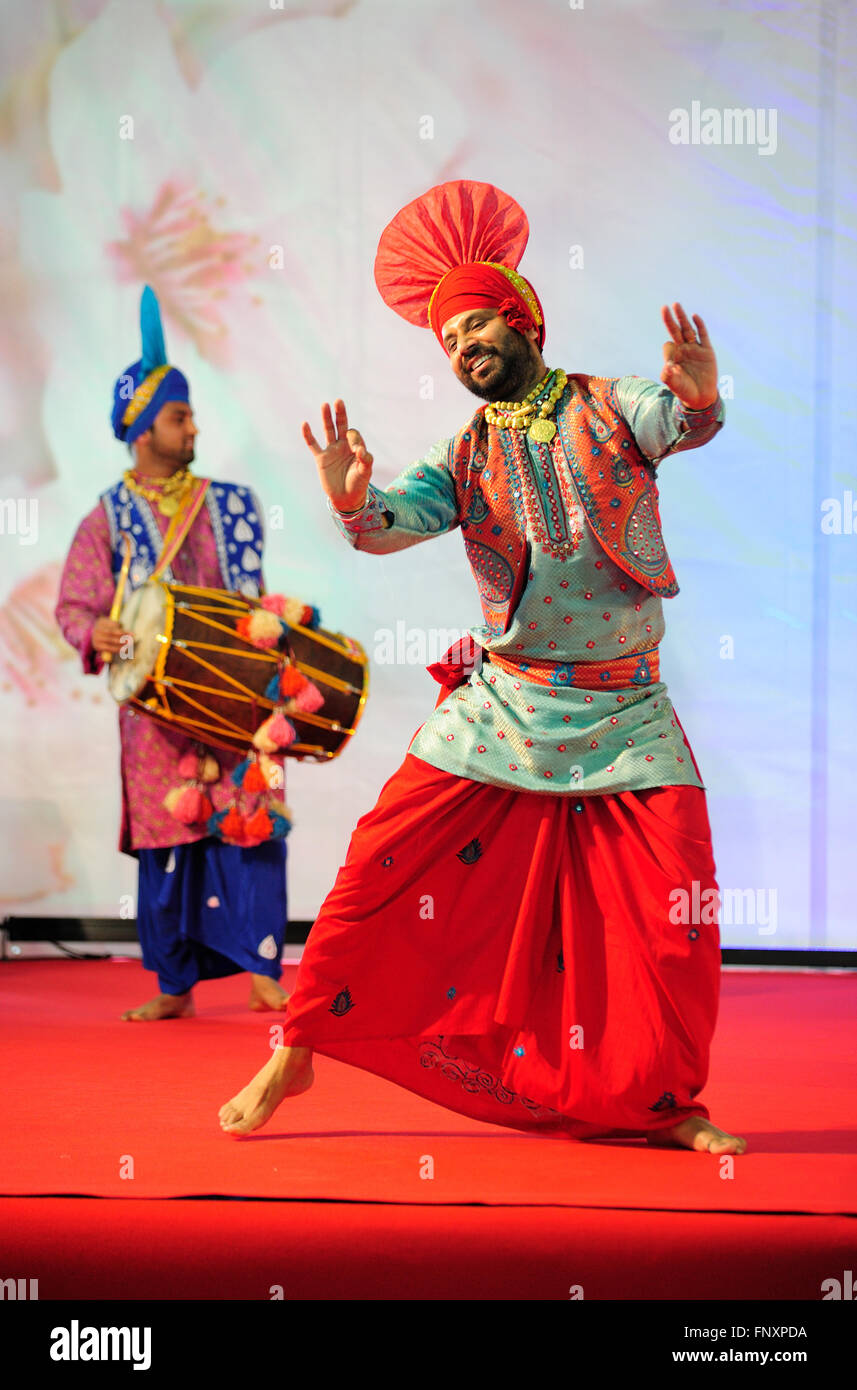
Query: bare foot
[[266, 995], [696, 1133], [288, 1073], [162, 1006]]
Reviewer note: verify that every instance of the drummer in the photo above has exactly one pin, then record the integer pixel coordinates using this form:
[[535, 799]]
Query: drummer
[[205, 908]]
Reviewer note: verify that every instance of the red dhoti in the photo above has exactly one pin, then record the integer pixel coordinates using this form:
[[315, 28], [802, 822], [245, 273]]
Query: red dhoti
[[511, 955]]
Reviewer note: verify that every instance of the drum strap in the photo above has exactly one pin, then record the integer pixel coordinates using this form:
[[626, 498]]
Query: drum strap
[[180, 525]]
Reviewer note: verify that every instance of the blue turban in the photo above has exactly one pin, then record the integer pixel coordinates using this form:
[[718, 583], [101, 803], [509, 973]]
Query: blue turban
[[147, 385]]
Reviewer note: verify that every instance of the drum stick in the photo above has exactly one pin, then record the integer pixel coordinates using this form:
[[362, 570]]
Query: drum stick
[[116, 605]]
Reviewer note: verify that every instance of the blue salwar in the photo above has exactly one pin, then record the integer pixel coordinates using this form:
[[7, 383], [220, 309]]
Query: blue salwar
[[210, 909]]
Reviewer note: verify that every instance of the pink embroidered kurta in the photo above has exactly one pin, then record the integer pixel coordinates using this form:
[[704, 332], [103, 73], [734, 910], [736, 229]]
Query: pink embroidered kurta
[[150, 752]]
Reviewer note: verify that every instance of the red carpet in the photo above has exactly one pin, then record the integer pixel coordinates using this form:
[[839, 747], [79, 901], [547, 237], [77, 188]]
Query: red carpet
[[92, 1097], [319, 1250]]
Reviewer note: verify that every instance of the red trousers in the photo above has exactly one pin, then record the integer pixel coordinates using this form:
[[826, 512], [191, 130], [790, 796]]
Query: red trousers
[[511, 955]]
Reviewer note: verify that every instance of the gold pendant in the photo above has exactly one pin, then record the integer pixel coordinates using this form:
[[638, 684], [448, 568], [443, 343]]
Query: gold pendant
[[542, 431], [168, 506]]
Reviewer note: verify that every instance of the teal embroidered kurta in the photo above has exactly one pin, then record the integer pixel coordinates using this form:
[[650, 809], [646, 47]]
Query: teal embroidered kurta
[[576, 605]]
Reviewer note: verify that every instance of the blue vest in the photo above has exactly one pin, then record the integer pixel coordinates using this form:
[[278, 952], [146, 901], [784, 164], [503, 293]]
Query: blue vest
[[236, 519]]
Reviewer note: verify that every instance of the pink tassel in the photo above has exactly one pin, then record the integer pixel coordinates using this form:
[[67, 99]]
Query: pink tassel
[[309, 699], [189, 766], [276, 733], [280, 730], [274, 603]]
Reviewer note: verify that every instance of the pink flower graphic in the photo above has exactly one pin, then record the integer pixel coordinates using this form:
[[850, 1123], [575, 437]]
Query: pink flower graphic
[[191, 264]]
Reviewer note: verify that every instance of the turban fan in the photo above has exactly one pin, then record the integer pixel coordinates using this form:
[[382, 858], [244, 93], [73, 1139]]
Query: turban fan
[[457, 248]]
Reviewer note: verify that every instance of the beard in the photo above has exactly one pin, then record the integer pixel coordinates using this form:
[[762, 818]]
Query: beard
[[508, 374], [180, 455]]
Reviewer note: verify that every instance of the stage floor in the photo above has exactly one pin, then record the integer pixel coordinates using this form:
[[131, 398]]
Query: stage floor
[[344, 1207]]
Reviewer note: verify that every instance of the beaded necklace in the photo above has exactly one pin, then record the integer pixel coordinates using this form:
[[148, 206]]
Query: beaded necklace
[[532, 413]]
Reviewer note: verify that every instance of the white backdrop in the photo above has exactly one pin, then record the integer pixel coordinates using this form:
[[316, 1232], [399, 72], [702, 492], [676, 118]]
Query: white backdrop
[[243, 159]]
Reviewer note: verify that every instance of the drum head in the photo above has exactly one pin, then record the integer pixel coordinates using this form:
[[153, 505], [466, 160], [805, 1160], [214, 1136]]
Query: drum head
[[143, 614]]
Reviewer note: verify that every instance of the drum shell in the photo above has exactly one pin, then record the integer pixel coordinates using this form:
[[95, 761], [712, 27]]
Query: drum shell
[[235, 675]]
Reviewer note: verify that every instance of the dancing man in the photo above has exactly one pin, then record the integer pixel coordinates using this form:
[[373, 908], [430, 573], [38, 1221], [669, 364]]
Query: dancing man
[[503, 937], [205, 908]]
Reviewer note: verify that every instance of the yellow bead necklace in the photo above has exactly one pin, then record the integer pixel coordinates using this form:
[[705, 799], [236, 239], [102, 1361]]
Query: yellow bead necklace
[[531, 414]]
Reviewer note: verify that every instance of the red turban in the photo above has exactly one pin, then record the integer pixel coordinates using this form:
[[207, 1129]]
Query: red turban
[[454, 249]]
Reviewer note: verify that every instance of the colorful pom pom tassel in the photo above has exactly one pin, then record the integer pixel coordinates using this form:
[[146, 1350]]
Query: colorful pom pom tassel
[[260, 825], [238, 774], [192, 807], [291, 680], [280, 824], [254, 780], [274, 734], [189, 766], [233, 826], [281, 730], [172, 797], [199, 767], [210, 770], [309, 699], [261, 740], [264, 629], [272, 689], [293, 611]]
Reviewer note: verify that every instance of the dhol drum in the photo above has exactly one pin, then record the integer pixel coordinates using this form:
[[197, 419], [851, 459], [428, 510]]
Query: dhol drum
[[192, 670]]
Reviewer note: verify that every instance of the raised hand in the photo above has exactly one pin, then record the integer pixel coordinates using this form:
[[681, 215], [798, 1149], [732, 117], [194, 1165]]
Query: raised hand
[[690, 365], [345, 465]]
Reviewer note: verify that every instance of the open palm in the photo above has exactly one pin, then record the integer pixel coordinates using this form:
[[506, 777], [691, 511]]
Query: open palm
[[344, 465], [690, 366]]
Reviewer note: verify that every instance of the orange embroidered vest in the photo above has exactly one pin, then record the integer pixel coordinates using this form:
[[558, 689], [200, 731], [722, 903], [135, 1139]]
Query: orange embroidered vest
[[614, 481]]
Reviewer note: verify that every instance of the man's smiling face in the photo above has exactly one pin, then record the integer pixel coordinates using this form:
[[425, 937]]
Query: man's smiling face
[[491, 359]]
